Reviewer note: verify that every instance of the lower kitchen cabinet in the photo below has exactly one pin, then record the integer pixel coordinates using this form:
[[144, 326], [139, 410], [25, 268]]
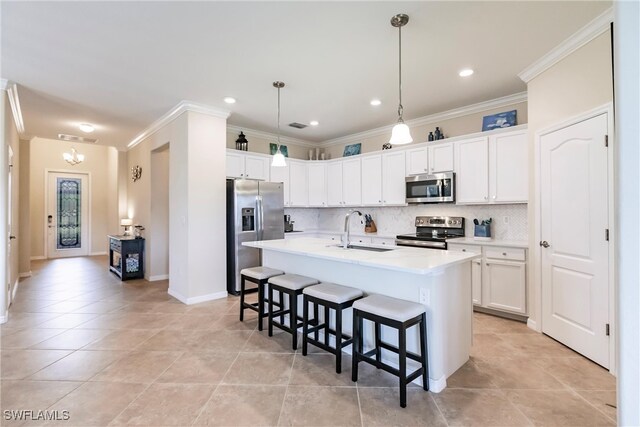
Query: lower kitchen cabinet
[[499, 278], [506, 285]]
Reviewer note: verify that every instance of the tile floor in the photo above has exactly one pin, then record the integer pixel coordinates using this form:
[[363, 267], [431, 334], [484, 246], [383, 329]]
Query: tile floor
[[114, 353]]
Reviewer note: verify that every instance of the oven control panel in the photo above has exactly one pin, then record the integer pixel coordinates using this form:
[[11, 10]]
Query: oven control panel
[[440, 221]]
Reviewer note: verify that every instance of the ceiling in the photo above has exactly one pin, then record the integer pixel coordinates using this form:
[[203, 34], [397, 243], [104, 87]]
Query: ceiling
[[122, 65]]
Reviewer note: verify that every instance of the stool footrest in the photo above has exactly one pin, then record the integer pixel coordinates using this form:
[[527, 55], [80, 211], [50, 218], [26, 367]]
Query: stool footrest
[[410, 355]]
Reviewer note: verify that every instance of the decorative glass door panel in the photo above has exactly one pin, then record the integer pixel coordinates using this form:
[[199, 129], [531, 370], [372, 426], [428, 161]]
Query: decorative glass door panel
[[69, 213]]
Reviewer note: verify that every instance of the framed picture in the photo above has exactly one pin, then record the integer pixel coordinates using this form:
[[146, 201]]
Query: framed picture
[[274, 147], [500, 120], [351, 150]]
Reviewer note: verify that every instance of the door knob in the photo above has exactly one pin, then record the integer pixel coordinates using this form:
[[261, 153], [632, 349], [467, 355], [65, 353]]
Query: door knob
[[544, 244], [12, 237]]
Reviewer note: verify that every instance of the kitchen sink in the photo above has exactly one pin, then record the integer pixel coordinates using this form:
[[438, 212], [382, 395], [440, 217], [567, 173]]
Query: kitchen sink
[[365, 248]]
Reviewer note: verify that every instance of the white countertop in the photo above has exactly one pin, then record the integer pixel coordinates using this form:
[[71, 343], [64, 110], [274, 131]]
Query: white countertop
[[522, 244], [408, 260]]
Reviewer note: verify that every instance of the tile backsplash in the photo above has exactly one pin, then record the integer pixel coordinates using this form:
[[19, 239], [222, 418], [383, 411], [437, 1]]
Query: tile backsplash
[[400, 220]]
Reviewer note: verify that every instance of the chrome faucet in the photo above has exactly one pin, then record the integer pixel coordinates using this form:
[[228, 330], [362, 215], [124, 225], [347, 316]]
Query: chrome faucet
[[345, 242]]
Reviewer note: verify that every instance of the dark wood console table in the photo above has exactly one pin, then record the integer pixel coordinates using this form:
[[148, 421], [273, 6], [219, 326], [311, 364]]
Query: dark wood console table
[[126, 257]]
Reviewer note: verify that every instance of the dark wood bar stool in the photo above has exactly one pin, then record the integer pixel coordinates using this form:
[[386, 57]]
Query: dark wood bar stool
[[259, 276], [291, 285], [398, 314], [330, 296]]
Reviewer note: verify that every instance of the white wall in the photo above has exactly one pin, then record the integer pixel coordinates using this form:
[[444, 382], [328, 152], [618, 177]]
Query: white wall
[[159, 220], [627, 91], [24, 231], [47, 154], [578, 83]]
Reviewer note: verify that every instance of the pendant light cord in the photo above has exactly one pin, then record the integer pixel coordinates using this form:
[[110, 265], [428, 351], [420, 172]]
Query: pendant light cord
[[400, 109], [278, 119]]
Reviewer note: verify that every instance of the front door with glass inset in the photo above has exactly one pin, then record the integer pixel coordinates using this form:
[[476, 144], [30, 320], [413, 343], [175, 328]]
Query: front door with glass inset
[[67, 215]]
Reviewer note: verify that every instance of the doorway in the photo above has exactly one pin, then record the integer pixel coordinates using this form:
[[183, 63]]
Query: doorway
[[574, 239], [11, 237], [67, 221]]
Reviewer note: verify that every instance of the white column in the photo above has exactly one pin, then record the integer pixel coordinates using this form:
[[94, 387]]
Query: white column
[[3, 203]]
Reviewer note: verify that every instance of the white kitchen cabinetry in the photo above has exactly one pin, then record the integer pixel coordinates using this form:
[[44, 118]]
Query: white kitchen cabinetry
[[417, 161], [498, 279], [351, 182], [317, 177], [241, 165], [334, 184], [441, 158], [298, 188], [509, 167], [372, 180], [393, 178], [472, 171], [281, 174], [493, 169]]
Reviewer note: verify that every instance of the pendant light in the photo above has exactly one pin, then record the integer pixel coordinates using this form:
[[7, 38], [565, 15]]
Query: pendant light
[[278, 158], [400, 133], [73, 158]]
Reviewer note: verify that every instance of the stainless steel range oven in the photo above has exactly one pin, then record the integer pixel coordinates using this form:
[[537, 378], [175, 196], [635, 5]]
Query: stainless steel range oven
[[432, 232], [436, 188]]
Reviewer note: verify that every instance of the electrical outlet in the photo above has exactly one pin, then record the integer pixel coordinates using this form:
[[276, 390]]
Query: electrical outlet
[[425, 297], [505, 219]]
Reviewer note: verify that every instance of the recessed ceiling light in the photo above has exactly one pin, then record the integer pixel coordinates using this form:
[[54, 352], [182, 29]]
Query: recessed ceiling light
[[314, 123], [86, 127], [229, 100], [466, 72], [375, 102]]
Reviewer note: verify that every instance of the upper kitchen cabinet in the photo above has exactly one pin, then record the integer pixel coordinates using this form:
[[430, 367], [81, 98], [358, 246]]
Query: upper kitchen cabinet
[[298, 188], [393, 178], [317, 179], [383, 179], [441, 158], [252, 166], [344, 183], [433, 158], [472, 170], [372, 180], [493, 169], [508, 162], [281, 174]]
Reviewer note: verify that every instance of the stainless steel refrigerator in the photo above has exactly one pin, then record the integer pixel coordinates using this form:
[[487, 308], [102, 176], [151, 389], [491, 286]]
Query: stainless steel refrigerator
[[255, 211]]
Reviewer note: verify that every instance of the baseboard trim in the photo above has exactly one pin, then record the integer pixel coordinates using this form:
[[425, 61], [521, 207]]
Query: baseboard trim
[[158, 277], [532, 324], [98, 253], [196, 300], [38, 257], [25, 274]]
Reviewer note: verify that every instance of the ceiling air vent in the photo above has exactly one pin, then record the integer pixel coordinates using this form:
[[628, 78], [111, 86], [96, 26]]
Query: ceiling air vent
[[297, 125], [73, 138]]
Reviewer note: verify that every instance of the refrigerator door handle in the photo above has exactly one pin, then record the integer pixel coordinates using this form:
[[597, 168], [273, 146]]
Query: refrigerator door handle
[[259, 218]]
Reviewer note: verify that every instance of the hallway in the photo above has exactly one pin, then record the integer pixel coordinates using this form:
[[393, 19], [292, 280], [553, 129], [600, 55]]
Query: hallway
[[109, 352]]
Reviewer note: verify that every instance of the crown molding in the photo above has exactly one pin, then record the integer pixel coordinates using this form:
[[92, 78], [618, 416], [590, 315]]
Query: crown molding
[[267, 135], [14, 100], [583, 36], [516, 98], [183, 106]]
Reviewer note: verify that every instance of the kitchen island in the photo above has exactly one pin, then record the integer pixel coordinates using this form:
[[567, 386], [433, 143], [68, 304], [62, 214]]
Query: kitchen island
[[441, 280]]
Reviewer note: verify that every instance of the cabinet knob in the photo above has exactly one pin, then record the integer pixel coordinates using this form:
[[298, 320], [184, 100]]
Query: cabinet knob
[[504, 254], [464, 250], [379, 201], [485, 197], [494, 197], [426, 170]]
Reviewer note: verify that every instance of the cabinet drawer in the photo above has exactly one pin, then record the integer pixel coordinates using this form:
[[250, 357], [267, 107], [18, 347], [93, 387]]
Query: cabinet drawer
[[514, 254], [458, 247], [383, 241], [116, 245]]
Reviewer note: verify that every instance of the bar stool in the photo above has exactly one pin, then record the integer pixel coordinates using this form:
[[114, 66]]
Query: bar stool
[[398, 314], [259, 276], [292, 285], [330, 296]]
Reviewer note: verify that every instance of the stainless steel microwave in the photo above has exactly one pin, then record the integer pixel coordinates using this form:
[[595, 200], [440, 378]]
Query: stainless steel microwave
[[436, 188]]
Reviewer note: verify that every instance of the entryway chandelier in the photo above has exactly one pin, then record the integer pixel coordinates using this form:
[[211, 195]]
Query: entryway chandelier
[[73, 158]]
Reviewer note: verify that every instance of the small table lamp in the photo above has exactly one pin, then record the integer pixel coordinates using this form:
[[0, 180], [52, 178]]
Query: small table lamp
[[126, 223]]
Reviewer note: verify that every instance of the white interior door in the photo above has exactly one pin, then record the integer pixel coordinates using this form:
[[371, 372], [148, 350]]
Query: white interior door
[[575, 251], [10, 233], [67, 214]]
